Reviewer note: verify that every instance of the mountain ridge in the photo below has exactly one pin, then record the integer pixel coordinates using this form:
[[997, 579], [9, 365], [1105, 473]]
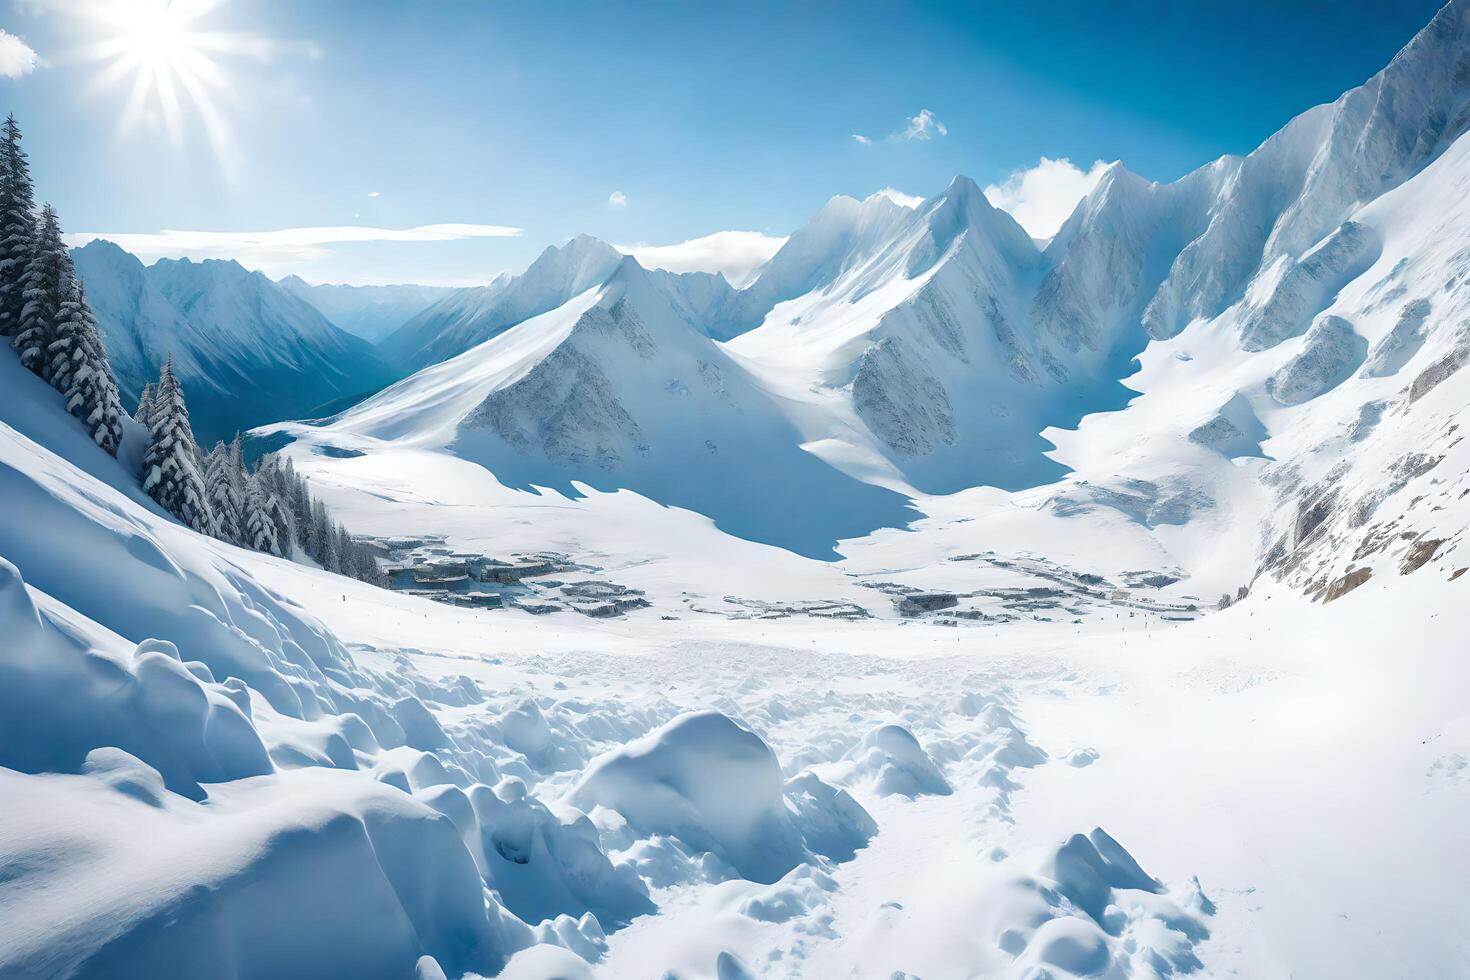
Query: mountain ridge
[[247, 351]]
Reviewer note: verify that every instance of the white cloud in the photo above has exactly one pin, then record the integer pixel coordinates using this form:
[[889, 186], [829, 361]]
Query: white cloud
[[1041, 198], [16, 57], [375, 193], [924, 127], [617, 199], [899, 197], [280, 250], [864, 140], [737, 254]]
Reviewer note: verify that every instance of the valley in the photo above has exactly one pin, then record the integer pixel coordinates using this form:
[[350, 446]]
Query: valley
[[940, 601]]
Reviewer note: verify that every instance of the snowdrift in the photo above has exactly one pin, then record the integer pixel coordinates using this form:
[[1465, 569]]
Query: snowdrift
[[717, 787]]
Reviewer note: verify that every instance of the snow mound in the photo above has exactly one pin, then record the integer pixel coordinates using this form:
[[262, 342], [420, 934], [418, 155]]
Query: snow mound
[[543, 863], [1333, 350], [313, 873], [60, 699], [1097, 912], [717, 787], [1079, 908], [834, 824], [897, 764]]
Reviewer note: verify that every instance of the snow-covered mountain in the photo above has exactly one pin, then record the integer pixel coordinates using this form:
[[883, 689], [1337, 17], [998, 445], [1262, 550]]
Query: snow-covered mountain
[[1198, 330], [615, 388], [368, 312], [473, 315], [986, 734], [246, 350]]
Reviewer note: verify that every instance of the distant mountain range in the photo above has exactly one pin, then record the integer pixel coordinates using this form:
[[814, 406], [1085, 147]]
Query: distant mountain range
[[368, 312], [1216, 352], [247, 350]]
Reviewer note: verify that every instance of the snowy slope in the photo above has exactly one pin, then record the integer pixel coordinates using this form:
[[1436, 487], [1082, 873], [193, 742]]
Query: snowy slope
[[229, 764], [246, 350], [613, 390]]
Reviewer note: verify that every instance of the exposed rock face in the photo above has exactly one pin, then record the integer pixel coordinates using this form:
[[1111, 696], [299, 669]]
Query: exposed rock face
[[1441, 369], [1233, 432], [903, 404], [1151, 504], [566, 406], [1333, 350], [918, 603], [1308, 285], [1399, 344]]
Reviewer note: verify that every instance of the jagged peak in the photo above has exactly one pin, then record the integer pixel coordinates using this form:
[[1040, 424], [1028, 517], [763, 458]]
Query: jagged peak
[[101, 250], [963, 208]]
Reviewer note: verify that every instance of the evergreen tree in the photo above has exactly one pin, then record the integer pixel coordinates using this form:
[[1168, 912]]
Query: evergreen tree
[[329, 558], [318, 530], [238, 473], [260, 529], [81, 373], [285, 526], [17, 226], [45, 285], [311, 517], [224, 503], [171, 464], [279, 480], [145, 404], [347, 562]]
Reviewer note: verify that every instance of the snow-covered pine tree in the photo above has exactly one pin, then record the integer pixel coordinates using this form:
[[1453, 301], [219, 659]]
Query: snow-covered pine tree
[[260, 529], [285, 525], [238, 474], [305, 514], [145, 404], [346, 553], [330, 559], [45, 285], [79, 370], [17, 226], [224, 503], [171, 464]]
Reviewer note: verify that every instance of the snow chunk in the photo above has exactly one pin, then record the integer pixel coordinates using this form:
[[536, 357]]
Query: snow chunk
[[833, 823], [544, 863], [1333, 350], [897, 763], [717, 787]]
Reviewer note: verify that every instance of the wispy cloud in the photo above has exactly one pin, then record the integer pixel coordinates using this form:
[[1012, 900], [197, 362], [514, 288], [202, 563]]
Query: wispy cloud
[[17, 58], [375, 193], [1041, 198], [281, 250], [924, 126], [736, 254], [617, 199]]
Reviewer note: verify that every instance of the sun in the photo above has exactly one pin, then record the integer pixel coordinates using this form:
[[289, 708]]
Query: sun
[[170, 64]]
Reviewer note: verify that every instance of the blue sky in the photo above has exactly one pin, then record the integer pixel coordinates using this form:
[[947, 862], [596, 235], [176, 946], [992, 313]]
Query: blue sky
[[703, 117]]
